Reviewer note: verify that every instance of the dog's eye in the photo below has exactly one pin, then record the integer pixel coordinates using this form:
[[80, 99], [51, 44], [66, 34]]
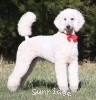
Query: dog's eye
[[72, 18], [64, 18]]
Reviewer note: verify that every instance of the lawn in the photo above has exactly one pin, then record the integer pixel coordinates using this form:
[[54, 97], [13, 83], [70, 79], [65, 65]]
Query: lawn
[[41, 83]]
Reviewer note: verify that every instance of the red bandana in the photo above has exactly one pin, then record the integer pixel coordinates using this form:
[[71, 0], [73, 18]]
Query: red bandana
[[73, 37]]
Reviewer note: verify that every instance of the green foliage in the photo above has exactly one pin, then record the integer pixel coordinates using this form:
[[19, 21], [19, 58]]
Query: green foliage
[[46, 11]]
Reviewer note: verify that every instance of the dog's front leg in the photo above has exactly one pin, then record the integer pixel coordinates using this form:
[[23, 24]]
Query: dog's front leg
[[73, 76], [61, 75]]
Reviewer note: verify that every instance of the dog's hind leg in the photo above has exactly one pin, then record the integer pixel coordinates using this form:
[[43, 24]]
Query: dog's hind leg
[[24, 59]]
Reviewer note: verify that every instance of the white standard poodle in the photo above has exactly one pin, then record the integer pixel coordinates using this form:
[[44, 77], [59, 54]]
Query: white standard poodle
[[60, 48]]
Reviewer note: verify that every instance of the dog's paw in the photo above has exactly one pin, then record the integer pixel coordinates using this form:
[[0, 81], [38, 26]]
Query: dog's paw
[[13, 84], [12, 88], [64, 89], [74, 88]]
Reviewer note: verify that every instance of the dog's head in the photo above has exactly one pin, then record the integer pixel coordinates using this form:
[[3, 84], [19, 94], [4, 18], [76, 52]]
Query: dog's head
[[69, 20]]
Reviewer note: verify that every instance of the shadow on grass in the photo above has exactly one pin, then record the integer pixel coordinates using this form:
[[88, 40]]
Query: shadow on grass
[[43, 83], [39, 83]]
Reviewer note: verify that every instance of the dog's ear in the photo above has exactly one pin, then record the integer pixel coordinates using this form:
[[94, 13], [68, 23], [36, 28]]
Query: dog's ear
[[59, 22], [79, 21]]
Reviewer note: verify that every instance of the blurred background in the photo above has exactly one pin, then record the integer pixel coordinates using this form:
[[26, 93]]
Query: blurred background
[[46, 11]]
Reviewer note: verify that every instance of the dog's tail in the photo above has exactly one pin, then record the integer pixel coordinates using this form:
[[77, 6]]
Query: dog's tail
[[25, 23]]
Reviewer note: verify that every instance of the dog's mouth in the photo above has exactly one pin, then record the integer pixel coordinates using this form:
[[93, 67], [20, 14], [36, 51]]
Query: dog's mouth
[[69, 29]]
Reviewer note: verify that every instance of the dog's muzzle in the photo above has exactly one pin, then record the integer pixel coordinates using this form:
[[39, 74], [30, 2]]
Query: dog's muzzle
[[69, 28]]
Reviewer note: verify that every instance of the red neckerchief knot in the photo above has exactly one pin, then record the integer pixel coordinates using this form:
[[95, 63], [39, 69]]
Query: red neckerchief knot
[[73, 37]]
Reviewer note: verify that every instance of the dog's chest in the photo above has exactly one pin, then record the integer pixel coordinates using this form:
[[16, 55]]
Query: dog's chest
[[69, 48], [65, 49], [72, 50], [72, 53]]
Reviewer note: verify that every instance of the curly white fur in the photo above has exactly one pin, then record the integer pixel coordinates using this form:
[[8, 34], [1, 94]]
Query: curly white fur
[[25, 23], [55, 48], [76, 23]]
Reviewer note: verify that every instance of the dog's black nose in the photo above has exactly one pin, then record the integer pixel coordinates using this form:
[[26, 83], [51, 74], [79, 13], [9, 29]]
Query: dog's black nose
[[68, 26]]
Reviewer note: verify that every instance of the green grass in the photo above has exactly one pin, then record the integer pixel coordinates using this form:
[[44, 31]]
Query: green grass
[[42, 79]]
